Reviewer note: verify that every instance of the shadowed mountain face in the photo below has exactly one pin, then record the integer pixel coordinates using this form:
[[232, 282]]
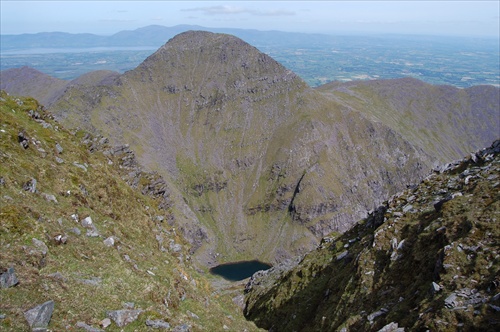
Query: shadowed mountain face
[[427, 259], [259, 164]]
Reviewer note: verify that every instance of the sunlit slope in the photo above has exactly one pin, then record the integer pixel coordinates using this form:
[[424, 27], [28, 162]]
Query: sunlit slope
[[79, 230], [445, 121]]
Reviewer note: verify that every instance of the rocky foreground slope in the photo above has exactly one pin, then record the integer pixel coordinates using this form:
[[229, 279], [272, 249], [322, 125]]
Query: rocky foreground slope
[[87, 240], [427, 259], [251, 154]]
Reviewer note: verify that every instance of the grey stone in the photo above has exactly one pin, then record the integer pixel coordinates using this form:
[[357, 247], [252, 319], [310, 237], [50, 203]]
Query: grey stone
[[57, 276], [342, 255], [438, 205], [239, 300], [39, 316], [23, 140], [109, 242], [175, 247], [49, 197], [450, 301], [87, 223], [157, 324], [61, 239], [87, 327], [105, 322], [94, 281], [75, 230], [40, 245], [494, 307], [128, 305], [45, 124], [8, 278], [375, 314], [181, 328], [193, 315], [435, 287], [407, 208], [2, 316], [392, 327], [92, 233], [123, 317], [30, 186], [59, 148], [80, 166], [59, 160]]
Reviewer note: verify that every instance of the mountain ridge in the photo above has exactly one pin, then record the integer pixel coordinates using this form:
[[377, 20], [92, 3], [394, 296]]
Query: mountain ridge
[[253, 153]]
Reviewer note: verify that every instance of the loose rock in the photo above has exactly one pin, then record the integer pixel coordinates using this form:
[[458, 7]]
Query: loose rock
[[87, 327], [123, 317], [49, 197], [30, 186], [59, 148], [39, 316], [8, 278], [40, 245], [157, 324]]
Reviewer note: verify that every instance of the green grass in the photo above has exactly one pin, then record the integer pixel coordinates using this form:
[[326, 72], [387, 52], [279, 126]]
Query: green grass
[[116, 210]]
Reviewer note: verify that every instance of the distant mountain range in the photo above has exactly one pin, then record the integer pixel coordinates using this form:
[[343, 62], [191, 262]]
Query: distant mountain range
[[251, 154], [153, 35]]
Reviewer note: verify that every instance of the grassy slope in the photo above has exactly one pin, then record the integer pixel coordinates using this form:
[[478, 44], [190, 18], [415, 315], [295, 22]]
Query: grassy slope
[[170, 290], [445, 121]]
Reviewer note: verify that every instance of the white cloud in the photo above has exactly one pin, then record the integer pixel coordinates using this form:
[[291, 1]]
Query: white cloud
[[234, 10]]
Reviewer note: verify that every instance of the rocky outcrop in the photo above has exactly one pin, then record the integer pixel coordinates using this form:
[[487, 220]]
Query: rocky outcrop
[[425, 259]]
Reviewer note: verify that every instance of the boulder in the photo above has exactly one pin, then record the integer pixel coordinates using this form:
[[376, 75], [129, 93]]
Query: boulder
[[23, 140], [39, 316], [8, 278], [123, 317], [49, 197], [40, 245], [30, 186], [59, 148]]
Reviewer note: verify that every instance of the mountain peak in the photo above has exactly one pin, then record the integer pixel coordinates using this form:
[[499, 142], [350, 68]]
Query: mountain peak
[[217, 59]]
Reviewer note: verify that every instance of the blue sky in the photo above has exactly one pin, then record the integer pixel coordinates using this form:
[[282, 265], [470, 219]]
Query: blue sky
[[454, 18]]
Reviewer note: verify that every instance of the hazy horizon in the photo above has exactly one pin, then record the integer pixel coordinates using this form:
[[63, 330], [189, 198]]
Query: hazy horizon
[[433, 18]]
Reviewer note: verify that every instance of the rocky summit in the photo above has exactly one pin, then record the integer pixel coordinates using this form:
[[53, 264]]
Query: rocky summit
[[249, 154], [427, 259]]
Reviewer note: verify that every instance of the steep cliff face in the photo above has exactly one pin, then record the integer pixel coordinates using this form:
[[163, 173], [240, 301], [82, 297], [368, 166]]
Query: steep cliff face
[[250, 153], [427, 259]]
